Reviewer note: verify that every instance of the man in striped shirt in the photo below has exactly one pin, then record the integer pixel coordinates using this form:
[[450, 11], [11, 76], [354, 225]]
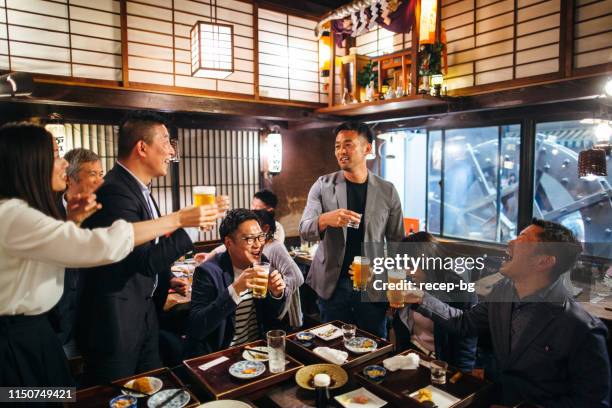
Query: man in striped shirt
[[223, 310]]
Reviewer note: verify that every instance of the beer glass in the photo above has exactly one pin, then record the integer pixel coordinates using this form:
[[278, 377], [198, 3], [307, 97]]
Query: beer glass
[[361, 273], [261, 288], [395, 295], [203, 195]]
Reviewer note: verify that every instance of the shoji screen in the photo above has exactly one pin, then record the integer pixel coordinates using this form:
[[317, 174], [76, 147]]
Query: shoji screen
[[379, 41], [159, 47], [226, 159], [79, 38], [592, 33], [288, 58], [481, 44]]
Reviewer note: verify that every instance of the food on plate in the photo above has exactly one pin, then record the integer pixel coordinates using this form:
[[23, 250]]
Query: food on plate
[[249, 370], [360, 399], [142, 385], [368, 344], [375, 372], [329, 333], [424, 395], [122, 403]]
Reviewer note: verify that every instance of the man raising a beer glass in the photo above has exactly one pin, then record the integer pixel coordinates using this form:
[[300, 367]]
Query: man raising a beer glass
[[235, 297]]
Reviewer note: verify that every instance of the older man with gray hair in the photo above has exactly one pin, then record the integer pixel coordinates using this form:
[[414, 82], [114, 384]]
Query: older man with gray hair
[[84, 176]]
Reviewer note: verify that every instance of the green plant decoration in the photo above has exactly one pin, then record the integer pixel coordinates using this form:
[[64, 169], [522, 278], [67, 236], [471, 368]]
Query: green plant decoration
[[430, 59], [367, 74]]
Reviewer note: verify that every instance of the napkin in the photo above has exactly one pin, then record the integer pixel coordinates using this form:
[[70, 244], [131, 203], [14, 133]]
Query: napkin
[[212, 363], [407, 362], [333, 355]]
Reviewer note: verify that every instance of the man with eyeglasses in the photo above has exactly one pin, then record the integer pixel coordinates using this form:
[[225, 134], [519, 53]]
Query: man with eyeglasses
[[223, 310]]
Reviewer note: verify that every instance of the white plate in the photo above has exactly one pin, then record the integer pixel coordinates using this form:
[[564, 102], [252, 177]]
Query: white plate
[[237, 369], [327, 332], [356, 345], [255, 356], [156, 383], [225, 404], [441, 398], [179, 401], [373, 401]]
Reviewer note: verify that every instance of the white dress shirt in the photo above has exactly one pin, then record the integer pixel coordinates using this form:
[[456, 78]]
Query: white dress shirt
[[35, 249]]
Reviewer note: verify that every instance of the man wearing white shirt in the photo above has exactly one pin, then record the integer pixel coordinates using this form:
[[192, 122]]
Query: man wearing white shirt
[[223, 310]]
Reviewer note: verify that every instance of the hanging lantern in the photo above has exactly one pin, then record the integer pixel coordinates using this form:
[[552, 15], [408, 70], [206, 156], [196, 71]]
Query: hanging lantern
[[592, 163], [212, 50]]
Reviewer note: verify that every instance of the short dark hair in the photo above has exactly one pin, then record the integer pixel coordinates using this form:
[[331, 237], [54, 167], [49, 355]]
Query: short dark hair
[[267, 218], [135, 127], [361, 128], [26, 166], [75, 158], [234, 219], [267, 197], [566, 250]]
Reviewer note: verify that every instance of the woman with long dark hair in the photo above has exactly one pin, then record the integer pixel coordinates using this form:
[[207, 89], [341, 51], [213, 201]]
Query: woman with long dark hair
[[414, 330], [36, 246]]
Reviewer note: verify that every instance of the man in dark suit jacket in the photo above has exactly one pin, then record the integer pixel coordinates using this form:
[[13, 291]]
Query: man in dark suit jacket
[[117, 322], [223, 311], [548, 349]]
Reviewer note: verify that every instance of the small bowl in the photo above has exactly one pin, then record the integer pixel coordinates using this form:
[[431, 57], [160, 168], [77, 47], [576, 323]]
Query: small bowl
[[375, 373], [114, 403], [304, 377], [305, 336]]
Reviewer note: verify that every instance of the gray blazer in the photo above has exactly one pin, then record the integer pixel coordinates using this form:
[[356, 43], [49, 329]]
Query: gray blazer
[[383, 220]]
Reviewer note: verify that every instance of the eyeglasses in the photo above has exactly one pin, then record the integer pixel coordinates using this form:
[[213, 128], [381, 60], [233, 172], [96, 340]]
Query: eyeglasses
[[261, 238]]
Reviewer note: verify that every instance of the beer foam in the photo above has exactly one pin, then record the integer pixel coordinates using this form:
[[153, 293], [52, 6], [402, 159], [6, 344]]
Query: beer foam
[[209, 190]]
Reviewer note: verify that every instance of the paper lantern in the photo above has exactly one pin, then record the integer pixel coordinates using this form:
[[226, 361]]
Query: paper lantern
[[212, 50]]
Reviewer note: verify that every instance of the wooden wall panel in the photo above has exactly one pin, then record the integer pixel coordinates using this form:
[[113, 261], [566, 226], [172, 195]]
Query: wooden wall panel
[[592, 33]]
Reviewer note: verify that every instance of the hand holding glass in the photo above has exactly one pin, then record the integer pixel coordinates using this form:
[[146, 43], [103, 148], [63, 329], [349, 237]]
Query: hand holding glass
[[395, 294], [361, 273]]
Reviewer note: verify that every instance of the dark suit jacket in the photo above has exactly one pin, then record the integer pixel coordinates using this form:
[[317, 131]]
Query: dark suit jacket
[[213, 311], [114, 297], [561, 359]]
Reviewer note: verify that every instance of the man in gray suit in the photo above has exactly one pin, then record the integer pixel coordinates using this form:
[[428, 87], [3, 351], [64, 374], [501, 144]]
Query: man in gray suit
[[549, 351], [352, 194]]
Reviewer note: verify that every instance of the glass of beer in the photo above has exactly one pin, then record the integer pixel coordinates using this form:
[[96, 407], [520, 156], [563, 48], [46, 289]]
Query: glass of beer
[[361, 273], [204, 195], [261, 285], [395, 293]]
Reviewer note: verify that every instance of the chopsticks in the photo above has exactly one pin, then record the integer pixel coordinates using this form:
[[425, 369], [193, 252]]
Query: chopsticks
[[251, 351]]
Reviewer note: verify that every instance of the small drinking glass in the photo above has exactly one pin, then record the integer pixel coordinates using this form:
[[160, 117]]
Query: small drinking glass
[[276, 350], [348, 332], [438, 371], [354, 224]]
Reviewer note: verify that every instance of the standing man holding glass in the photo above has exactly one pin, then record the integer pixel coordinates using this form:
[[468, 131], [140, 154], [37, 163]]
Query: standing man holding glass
[[117, 323], [344, 210]]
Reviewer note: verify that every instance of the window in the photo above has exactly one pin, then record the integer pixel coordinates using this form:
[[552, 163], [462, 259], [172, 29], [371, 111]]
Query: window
[[467, 187], [583, 206]]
